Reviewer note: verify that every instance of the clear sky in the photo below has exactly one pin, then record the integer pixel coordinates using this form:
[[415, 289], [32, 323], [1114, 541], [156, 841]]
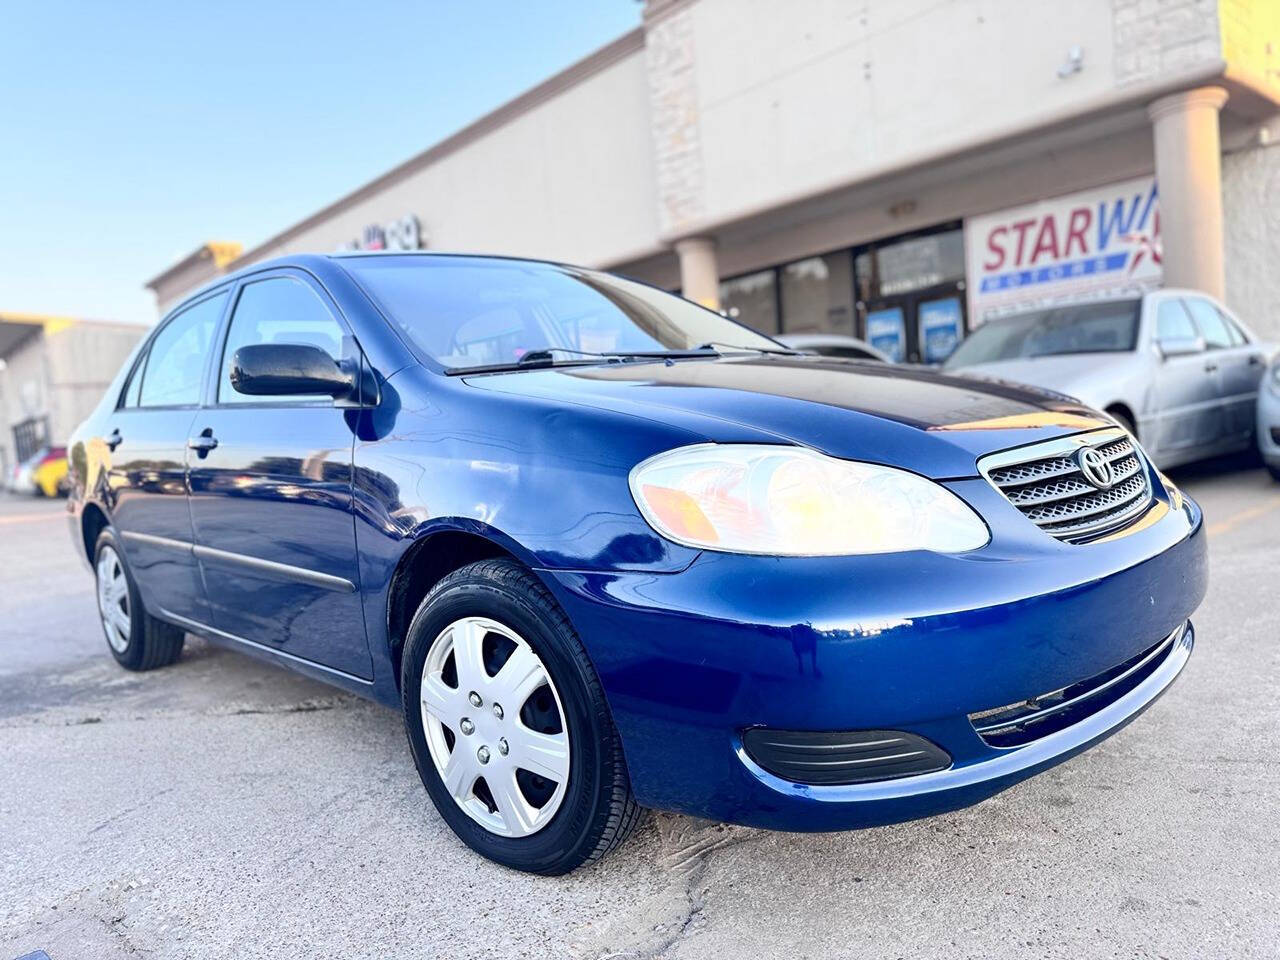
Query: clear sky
[[132, 132]]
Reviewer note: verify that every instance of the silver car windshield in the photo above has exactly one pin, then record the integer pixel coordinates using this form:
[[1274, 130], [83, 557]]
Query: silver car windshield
[[477, 312], [1106, 327]]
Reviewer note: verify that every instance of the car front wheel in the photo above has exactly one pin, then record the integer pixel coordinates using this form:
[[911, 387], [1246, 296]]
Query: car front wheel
[[508, 724]]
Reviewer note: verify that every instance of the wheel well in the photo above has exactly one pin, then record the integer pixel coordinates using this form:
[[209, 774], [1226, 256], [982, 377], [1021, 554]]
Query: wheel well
[[92, 520], [424, 565], [1126, 413]]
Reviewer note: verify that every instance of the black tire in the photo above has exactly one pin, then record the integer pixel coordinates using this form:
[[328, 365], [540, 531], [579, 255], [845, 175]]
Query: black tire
[[598, 810], [1274, 471], [150, 643], [1121, 418]]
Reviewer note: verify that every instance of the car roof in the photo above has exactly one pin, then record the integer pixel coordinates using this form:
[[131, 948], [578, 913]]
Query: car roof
[[322, 264]]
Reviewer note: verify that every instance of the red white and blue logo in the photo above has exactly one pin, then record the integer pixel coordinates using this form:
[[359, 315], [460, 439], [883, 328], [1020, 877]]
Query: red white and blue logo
[[1099, 240]]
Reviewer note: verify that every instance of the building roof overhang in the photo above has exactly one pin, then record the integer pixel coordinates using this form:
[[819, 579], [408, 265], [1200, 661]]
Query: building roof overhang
[[219, 252]]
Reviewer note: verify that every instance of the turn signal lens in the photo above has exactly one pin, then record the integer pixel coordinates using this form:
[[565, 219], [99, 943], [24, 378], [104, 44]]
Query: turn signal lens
[[791, 501], [679, 513]]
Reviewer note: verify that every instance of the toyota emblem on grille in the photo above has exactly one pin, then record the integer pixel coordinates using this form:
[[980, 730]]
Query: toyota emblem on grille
[[1096, 468]]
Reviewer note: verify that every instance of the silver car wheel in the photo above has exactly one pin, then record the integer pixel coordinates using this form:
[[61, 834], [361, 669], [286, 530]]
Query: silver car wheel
[[504, 774], [113, 599]]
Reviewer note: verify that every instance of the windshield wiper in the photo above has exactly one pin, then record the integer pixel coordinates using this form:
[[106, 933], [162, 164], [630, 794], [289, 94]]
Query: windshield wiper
[[780, 351], [545, 357], [548, 355]]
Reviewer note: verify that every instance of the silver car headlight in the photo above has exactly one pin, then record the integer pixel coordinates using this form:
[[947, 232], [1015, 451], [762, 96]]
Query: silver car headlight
[[791, 501]]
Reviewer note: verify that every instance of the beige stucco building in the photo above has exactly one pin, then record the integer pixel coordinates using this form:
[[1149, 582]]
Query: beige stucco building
[[53, 371], [898, 169]]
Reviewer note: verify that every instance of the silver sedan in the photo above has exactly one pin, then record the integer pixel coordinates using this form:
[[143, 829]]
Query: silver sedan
[[1174, 367]]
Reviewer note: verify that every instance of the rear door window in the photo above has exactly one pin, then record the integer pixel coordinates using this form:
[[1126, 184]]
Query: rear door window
[[1173, 322], [134, 387], [1212, 326], [176, 359], [1238, 339]]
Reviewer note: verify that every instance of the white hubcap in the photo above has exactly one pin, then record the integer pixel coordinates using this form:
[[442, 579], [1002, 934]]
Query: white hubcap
[[498, 740], [113, 599]]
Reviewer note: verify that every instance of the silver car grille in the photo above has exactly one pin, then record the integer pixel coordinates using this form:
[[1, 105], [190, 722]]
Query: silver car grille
[[1046, 483]]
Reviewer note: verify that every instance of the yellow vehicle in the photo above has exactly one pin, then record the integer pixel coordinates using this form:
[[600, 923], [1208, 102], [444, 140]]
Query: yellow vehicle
[[45, 473]]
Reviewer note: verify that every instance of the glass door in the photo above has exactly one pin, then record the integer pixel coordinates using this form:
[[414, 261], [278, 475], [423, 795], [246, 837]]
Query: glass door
[[919, 327], [910, 294], [887, 331]]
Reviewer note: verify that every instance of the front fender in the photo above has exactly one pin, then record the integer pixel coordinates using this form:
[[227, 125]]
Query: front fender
[[544, 482]]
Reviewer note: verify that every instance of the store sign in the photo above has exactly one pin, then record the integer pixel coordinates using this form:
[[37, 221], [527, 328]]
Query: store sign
[[1081, 245], [402, 234]]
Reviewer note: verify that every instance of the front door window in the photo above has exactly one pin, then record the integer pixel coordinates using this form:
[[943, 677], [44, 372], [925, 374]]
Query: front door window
[[278, 310]]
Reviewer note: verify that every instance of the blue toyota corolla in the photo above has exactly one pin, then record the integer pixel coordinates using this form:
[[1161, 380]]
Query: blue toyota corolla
[[608, 550]]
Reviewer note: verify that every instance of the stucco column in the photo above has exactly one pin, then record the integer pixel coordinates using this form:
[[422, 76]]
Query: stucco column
[[1189, 175], [699, 272]]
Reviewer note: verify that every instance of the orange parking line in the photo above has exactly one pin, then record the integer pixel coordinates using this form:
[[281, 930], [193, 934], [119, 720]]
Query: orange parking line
[[1233, 521]]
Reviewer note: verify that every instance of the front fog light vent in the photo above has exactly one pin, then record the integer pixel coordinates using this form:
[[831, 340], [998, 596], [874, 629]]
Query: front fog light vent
[[834, 757]]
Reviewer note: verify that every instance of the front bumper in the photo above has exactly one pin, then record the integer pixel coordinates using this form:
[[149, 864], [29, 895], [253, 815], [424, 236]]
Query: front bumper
[[906, 642], [1269, 424]]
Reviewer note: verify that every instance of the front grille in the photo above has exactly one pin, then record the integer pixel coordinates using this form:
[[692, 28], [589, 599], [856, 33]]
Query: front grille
[[1046, 483], [1017, 724]]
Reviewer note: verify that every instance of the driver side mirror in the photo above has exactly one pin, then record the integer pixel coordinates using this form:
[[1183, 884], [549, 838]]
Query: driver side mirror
[[291, 369], [1179, 346]]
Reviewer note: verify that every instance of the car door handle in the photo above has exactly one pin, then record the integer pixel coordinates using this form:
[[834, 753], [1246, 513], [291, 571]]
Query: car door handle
[[203, 443], [114, 440], [1255, 359], [1210, 366]]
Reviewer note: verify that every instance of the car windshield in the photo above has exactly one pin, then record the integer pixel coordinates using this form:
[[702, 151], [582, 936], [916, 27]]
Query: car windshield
[[1080, 328], [473, 312]]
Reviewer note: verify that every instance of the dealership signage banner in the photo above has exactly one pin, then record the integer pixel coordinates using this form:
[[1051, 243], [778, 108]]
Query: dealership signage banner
[[1086, 244]]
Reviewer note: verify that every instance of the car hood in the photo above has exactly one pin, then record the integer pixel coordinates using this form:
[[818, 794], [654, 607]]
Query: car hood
[[1065, 373], [924, 421]]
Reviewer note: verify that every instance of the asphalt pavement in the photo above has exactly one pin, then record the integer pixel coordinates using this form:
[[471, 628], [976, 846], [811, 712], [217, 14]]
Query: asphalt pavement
[[226, 808]]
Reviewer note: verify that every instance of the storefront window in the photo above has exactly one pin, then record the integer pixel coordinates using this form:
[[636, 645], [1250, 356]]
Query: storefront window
[[817, 295], [905, 295], [917, 263], [752, 300], [864, 269], [921, 262]]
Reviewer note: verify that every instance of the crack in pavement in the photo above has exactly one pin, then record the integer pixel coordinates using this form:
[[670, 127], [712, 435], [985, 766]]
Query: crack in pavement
[[130, 810], [691, 861], [312, 705]]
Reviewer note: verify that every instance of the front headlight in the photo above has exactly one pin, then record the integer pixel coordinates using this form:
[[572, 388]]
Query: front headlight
[[791, 501]]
